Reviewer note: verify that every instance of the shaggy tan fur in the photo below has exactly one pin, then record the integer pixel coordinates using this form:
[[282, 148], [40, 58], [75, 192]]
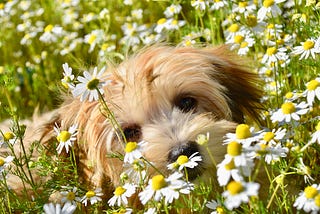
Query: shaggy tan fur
[[143, 93]]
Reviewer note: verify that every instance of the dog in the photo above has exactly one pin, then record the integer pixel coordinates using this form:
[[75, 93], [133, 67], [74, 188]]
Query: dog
[[165, 96]]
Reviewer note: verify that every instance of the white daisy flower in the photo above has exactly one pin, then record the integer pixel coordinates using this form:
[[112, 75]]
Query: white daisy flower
[[218, 4], [5, 162], [186, 162], [307, 48], [316, 135], [216, 206], [226, 170], [51, 33], [244, 135], [94, 38], [306, 199], [68, 77], [269, 7], [151, 211], [121, 195], [244, 7], [92, 196], [88, 85], [289, 111], [172, 10], [271, 152], [133, 151], [239, 192], [69, 195], [274, 55], [312, 91], [272, 137], [199, 4], [8, 137], [65, 138], [168, 188], [52, 208]]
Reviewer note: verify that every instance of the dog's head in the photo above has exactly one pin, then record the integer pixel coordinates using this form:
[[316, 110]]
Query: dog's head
[[167, 96]]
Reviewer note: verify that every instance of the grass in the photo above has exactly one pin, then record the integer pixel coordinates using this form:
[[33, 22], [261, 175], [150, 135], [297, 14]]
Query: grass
[[37, 37]]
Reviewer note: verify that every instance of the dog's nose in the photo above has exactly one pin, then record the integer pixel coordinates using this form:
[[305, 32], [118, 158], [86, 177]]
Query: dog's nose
[[186, 149], [132, 132]]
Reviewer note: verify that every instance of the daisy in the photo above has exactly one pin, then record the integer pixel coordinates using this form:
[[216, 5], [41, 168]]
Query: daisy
[[94, 38], [66, 138], [316, 135], [93, 196], [312, 91], [89, 85], [51, 33], [244, 7], [269, 7], [173, 24], [168, 189], [237, 154], [226, 170], [172, 10], [272, 137], [5, 162], [239, 192], [186, 162], [244, 135], [274, 55], [9, 137], [68, 77], [306, 199], [121, 194], [289, 111], [217, 4], [52, 208], [203, 139], [304, 170], [69, 195], [133, 151], [216, 206], [200, 4], [151, 211], [307, 48], [271, 152]]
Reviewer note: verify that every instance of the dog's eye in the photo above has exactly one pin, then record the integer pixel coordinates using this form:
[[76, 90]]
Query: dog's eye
[[132, 132], [186, 104]]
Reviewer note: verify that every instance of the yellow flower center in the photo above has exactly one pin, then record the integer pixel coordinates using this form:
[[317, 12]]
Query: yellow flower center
[[161, 21], [289, 95], [288, 108], [64, 136], [310, 192], [243, 4], [71, 196], [119, 191], [93, 84], [1, 6], [318, 126], [252, 20], [230, 165], [48, 28], [243, 131], [92, 38], [158, 182], [1, 161], [202, 139], [131, 146], [263, 147], [268, 3], [233, 28], [268, 73], [235, 187], [268, 136], [271, 51], [317, 200], [90, 194], [8, 136], [244, 44], [312, 85], [308, 45], [238, 39], [182, 159], [220, 210], [280, 41], [234, 148], [270, 26]]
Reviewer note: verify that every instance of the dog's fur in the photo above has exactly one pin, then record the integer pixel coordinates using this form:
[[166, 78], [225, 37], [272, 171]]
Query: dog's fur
[[165, 96]]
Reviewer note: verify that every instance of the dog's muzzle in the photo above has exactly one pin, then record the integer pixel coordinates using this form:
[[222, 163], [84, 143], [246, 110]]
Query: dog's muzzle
[[186, 149]]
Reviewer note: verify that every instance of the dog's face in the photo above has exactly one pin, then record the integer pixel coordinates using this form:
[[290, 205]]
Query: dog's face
[[166, 97]]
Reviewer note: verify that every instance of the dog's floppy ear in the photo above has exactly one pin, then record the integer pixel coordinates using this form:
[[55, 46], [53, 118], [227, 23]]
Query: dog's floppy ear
[[243, 86]]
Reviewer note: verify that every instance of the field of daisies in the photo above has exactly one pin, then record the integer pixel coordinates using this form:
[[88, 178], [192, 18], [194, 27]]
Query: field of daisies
[[53, 47]]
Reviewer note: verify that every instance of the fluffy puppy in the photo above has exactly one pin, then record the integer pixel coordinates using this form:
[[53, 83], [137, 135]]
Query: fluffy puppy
[[165, 96]]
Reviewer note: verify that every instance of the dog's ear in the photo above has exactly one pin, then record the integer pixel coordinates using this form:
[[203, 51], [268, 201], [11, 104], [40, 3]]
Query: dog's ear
[[243, 87]]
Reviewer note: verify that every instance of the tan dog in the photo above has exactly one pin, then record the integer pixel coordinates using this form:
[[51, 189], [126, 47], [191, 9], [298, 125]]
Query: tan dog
[[165, 96]]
